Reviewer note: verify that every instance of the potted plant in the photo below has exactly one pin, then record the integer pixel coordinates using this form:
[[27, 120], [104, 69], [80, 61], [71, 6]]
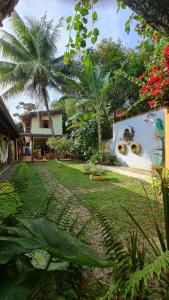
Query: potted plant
[[87, 168], [97, 173]]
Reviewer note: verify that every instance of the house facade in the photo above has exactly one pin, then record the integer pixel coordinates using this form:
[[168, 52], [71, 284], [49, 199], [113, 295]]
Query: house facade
[[37, 130], [9, 138]]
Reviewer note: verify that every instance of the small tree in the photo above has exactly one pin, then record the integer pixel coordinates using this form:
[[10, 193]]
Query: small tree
[[61, 145]]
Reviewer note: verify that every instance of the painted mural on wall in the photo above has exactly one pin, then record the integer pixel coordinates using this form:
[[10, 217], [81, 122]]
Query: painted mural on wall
[[3, 150], [159, 139], [138, 142]]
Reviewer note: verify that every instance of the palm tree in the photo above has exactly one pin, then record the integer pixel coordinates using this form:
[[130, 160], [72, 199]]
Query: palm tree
[[29, 59], [86, 87]]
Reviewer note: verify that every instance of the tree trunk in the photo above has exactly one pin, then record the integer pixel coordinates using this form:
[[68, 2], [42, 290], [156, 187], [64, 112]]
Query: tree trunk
[[99, 134], [155, 12], [6, 7], [45, 96]]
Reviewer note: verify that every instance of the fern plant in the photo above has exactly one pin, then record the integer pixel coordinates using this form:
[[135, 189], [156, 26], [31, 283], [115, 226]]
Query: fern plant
[[128, 256]]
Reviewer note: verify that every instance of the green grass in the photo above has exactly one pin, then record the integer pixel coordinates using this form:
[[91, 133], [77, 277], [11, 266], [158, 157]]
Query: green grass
[[34, 195], [71, 175], [112, 195]]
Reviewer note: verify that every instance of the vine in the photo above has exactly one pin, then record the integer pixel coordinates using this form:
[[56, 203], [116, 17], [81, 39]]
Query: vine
[[84, 13]]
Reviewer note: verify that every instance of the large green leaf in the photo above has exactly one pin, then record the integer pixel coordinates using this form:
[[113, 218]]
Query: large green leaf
[[9, 251], [61, 244]]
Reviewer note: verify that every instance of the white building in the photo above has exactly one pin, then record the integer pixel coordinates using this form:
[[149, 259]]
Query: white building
[[37, 129]]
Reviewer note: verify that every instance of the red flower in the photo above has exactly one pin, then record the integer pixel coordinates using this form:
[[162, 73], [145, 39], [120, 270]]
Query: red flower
[[151, 103], [140, 77], [144, 89]]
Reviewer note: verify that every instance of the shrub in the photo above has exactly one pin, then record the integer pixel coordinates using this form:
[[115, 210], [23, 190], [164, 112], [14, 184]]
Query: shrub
[[85, 141], [97, 171], [87, 168], [9, 199], [103, 158], [62, 146]]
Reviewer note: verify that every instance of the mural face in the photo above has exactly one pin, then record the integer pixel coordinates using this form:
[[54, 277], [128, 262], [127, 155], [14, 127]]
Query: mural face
[[128, 134]]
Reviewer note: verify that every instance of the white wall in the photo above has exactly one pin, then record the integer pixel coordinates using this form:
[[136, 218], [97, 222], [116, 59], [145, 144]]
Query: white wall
[[144, 127], [57, 124]]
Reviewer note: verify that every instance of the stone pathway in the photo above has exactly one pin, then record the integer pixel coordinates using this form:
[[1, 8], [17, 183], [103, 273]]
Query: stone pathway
[[131, 172], [62, 194]]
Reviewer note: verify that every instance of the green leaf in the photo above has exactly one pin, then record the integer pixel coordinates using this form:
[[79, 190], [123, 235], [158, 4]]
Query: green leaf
[[83, 43], [84, 20], [69, 19], [68, 27], [77, 7], [95, 32], [43, 234], [66, 58], [89, 34], [76, 26], [94, 39], [72, 51], [94, 16], [84, 11]]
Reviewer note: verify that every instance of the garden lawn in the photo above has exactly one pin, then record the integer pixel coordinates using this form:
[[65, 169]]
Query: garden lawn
[[30, 188], [113, 196]]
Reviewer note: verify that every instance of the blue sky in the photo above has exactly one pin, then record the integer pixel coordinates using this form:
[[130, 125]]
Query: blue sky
[[110, 24]]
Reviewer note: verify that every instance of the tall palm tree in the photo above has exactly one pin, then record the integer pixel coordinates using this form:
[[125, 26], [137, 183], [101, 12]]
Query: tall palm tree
[[29, 58], [86, 87]]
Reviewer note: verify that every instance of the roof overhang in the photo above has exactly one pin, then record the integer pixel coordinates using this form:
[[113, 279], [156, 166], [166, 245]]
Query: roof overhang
[[7, 125]]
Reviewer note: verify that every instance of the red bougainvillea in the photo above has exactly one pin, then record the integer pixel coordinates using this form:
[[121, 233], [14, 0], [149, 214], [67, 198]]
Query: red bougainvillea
[[156, 89]]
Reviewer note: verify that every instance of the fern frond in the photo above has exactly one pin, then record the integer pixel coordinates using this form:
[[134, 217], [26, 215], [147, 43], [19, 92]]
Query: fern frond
[[63, 217], [155, 269]]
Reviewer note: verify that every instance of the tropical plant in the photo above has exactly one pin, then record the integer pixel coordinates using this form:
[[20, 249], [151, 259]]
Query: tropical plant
[[85, 140], [97, 171], [128, 255], [61, 146], [47, 258], [86, 88], [9, 199], [87, 168], [103, 158], [29, 58]]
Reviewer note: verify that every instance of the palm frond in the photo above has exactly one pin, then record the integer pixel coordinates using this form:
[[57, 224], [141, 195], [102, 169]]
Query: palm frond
[[16, 89]]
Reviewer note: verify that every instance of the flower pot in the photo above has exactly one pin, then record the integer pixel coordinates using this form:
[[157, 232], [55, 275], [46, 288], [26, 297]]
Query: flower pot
[[136, 148], [97, 177], [122, 148]]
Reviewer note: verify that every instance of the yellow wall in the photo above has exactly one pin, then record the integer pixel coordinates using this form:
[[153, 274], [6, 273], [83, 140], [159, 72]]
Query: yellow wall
[[57, 124], [167, 139]]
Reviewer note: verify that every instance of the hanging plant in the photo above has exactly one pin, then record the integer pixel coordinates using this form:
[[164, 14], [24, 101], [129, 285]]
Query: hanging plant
[[122, 148], [135, 148]]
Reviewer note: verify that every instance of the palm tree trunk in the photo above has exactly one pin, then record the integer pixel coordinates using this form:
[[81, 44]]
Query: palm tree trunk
[[45, 96], [99, 134]]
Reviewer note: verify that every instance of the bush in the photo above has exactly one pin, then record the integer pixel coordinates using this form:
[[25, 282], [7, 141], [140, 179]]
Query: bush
[[85, 141], [97, 171], [103, 159], [87, 168], [62, 146]]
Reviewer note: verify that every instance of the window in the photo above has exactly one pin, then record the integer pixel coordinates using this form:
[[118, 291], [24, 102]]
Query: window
[[46, 124]]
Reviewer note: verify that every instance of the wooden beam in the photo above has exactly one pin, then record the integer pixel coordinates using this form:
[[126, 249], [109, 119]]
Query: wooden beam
[[32, 142]]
